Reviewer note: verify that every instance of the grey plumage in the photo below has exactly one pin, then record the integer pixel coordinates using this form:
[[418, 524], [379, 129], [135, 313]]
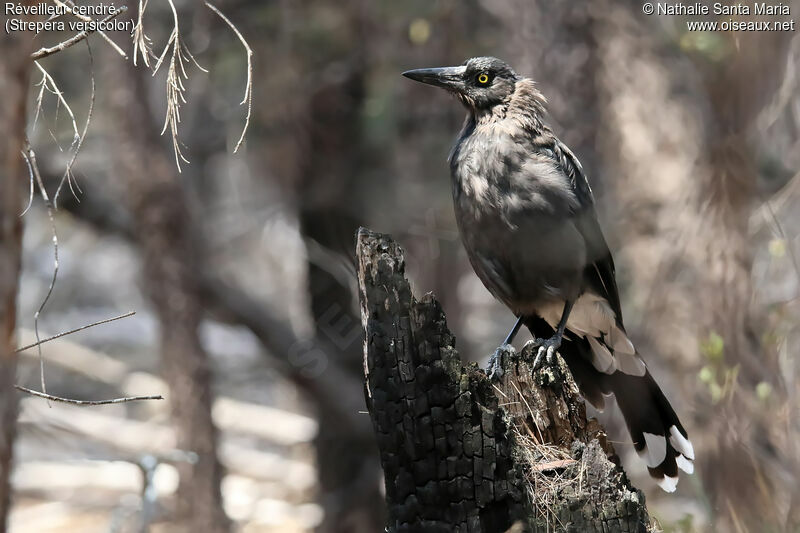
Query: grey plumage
[[527, 219]]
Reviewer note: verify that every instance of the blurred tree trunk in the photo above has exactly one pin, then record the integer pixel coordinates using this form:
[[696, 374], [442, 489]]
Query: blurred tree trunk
[[163, 229], [15, 66], [555, 44], [725, 194], [681, 145], [328, 198], [327, 132]]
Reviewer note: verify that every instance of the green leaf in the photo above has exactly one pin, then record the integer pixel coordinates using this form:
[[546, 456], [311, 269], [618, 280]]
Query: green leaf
[[713, 347]]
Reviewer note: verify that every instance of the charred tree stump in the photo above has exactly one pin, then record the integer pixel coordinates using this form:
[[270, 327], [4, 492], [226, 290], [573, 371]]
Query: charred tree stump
[[461, 453]]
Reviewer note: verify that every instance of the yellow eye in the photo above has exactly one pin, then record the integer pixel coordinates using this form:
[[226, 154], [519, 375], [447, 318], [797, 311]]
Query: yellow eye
[[483, 78]]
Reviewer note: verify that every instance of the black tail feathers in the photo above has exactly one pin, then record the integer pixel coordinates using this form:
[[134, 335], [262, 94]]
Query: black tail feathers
[[658, 435]]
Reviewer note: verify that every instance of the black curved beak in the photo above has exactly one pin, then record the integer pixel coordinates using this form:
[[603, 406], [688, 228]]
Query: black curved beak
[[451, 78]]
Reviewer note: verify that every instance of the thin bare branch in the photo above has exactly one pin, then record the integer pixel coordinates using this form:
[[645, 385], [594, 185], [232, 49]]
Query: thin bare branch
[[39, 97], [70, 332], [68, 6], [86, 402], [46, 77], [30, 156], [78, 37], [79, 142], [248, 90], [31, 179]]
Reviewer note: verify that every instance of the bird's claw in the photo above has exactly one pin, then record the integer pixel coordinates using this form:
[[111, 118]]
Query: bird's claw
[[495, 366], [547, 351]]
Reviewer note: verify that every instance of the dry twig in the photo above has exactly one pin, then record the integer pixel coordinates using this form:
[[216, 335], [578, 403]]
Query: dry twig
[[248, 90], [46, 77], [87, 402], [51, 397], [70, 332], [68, 176], [30, 158], [141, 42], [68, 6], [78, 37]]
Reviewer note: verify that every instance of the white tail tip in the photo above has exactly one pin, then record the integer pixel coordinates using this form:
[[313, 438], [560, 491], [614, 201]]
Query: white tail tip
[[669, 484]]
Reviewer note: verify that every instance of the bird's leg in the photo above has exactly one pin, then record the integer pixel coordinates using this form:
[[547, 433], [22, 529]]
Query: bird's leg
[[513, 332], [548, 347], [495, 367]]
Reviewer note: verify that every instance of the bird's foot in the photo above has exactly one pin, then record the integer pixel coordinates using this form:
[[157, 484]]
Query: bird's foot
[[546, 351], [495, 366]]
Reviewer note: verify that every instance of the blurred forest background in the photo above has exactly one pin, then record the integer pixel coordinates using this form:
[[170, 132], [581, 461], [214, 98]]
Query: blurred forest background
[[240, 267]]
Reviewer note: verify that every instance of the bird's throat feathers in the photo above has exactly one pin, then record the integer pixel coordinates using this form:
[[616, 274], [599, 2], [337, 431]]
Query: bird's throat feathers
[[522, 111], [526, 105], [493, 145]]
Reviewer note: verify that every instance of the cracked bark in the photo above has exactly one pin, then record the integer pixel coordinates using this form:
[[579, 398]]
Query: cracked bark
[[461, 453]]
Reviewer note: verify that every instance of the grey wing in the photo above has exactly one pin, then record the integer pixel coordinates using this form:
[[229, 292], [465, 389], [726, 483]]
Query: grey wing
[[611, 348], [569, 164], [599, 274], [548, 252], [494, 275]]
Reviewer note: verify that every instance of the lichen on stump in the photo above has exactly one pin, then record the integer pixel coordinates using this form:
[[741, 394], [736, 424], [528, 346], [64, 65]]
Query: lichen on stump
[[461, 453]]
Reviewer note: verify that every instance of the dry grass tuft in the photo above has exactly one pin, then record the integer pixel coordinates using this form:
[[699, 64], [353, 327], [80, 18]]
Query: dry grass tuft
[[549, 470], [142, 44]]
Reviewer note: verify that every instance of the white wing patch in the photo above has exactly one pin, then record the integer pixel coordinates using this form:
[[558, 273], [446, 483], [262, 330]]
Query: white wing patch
[[593, 318], [602, 359], [630, 364], [619, 341]]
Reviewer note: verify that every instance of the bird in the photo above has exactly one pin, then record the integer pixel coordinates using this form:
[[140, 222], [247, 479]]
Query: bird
[[526, 216]]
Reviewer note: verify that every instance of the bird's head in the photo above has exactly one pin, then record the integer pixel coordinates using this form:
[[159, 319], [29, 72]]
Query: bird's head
[[480, 83]]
